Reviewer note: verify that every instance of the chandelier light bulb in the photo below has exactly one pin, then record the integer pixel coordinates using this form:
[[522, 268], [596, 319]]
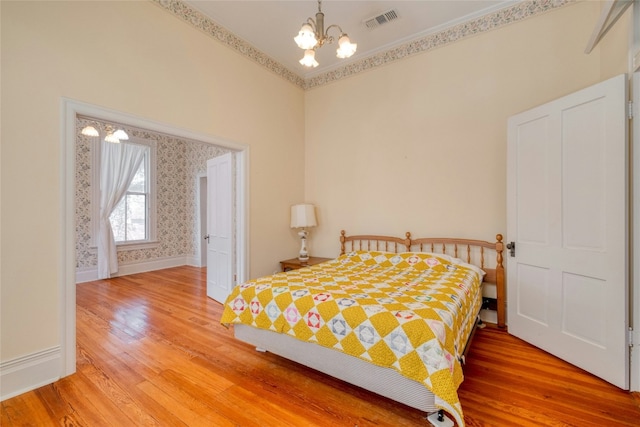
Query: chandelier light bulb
[[346, 48], [89, 131], [306, 38], [121, 135], [309, 58], [112, 138]]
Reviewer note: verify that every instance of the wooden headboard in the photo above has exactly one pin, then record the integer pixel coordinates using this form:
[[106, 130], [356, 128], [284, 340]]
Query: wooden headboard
[[486, 255]]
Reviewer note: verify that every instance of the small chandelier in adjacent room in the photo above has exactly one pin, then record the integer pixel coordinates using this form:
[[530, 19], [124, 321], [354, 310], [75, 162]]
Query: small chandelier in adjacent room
[[111, 136], [313, 35]]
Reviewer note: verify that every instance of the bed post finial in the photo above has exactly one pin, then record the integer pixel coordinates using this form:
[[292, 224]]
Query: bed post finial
[[500, 284], [342, 240], [407, 241]]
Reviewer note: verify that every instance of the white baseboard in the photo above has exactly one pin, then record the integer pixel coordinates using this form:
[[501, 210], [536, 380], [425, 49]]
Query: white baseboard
[[29, 372], [91, 273], [86, 274], [193, 261]]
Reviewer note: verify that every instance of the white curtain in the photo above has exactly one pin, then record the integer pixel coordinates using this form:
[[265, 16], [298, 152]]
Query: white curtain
[[118, 165]]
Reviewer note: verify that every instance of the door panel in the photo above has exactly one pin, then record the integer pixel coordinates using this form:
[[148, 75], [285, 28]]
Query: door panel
[[533, 285], [567, 214], [584, 175], [584, 317], [532, 161]]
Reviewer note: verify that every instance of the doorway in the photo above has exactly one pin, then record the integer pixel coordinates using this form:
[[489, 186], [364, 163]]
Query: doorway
[[66, 279]]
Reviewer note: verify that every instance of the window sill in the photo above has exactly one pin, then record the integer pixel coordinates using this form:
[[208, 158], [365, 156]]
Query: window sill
[[152, 244]]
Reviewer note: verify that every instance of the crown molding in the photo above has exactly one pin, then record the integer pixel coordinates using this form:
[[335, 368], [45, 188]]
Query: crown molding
[[491, 21]]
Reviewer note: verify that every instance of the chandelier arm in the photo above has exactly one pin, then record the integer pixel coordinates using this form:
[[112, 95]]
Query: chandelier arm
[[334, 26], [311, 22], [329, 38]]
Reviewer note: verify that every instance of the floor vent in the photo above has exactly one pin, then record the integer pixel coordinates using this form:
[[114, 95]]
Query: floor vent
[[383, 18]]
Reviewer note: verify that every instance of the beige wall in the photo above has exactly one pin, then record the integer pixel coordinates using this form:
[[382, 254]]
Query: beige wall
[[614, 48], [420, 145], [136, 58]]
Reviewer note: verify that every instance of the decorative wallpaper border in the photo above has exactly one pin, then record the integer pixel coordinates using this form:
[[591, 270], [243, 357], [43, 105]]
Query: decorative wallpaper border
[[522, 10]]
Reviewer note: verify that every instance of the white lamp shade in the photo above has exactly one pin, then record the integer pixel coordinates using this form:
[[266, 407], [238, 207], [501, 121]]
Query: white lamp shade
[[112, 138], [303, 215], [90, 131], [121, 135], [346, 48], [306, 38], [309, 58]]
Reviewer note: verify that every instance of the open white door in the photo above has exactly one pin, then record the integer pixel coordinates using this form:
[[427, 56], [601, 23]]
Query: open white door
[[567, 192], [219, 227]]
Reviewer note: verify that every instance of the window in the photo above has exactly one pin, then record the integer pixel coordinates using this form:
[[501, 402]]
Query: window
[[133, 221], [129, 220]]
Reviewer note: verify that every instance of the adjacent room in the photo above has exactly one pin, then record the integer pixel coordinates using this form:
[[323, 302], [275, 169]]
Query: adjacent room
[[164, 162]]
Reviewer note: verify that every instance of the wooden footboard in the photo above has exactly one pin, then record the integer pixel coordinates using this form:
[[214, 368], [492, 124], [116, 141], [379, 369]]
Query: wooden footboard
[[486, 255]]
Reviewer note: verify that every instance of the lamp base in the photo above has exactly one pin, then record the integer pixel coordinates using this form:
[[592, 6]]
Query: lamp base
[[303, 255]]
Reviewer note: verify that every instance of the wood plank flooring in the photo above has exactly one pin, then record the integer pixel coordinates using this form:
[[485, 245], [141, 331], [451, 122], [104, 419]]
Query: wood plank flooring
[[151, 352]]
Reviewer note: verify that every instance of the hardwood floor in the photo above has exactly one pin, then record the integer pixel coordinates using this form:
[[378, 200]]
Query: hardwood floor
[[151, 352]]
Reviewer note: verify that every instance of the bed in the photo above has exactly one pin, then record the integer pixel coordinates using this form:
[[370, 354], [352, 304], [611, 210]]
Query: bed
[[392, 315]]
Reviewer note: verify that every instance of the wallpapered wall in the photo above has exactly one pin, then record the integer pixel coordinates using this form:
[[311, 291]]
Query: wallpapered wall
[[179, 162]]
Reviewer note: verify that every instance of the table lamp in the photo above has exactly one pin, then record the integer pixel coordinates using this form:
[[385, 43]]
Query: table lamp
[[303, 216]]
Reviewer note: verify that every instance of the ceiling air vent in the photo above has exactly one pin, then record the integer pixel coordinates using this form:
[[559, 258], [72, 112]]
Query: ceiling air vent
[[383, 18]]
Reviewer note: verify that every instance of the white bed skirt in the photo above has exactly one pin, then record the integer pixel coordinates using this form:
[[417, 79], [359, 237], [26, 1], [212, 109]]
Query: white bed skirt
[[383, 381]]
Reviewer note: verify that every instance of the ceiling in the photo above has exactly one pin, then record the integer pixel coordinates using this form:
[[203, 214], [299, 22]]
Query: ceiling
[[271, 25]]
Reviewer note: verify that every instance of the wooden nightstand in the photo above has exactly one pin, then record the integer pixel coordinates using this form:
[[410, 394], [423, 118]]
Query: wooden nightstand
[[295, 263]]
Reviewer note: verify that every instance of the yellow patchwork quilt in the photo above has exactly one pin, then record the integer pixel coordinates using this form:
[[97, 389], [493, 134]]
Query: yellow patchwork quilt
[[411, 312]]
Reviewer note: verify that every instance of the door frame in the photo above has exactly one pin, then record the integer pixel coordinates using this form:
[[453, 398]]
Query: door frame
[[70, 109], [201, 185], [634, 384], [634, 84]]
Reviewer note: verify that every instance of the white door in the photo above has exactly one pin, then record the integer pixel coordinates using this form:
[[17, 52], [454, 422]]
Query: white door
[[567, 184], [204, 208], [219, 227]]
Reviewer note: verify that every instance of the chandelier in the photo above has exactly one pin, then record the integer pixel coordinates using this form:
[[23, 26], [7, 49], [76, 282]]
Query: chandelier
[[115, 137], [313, 35]]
